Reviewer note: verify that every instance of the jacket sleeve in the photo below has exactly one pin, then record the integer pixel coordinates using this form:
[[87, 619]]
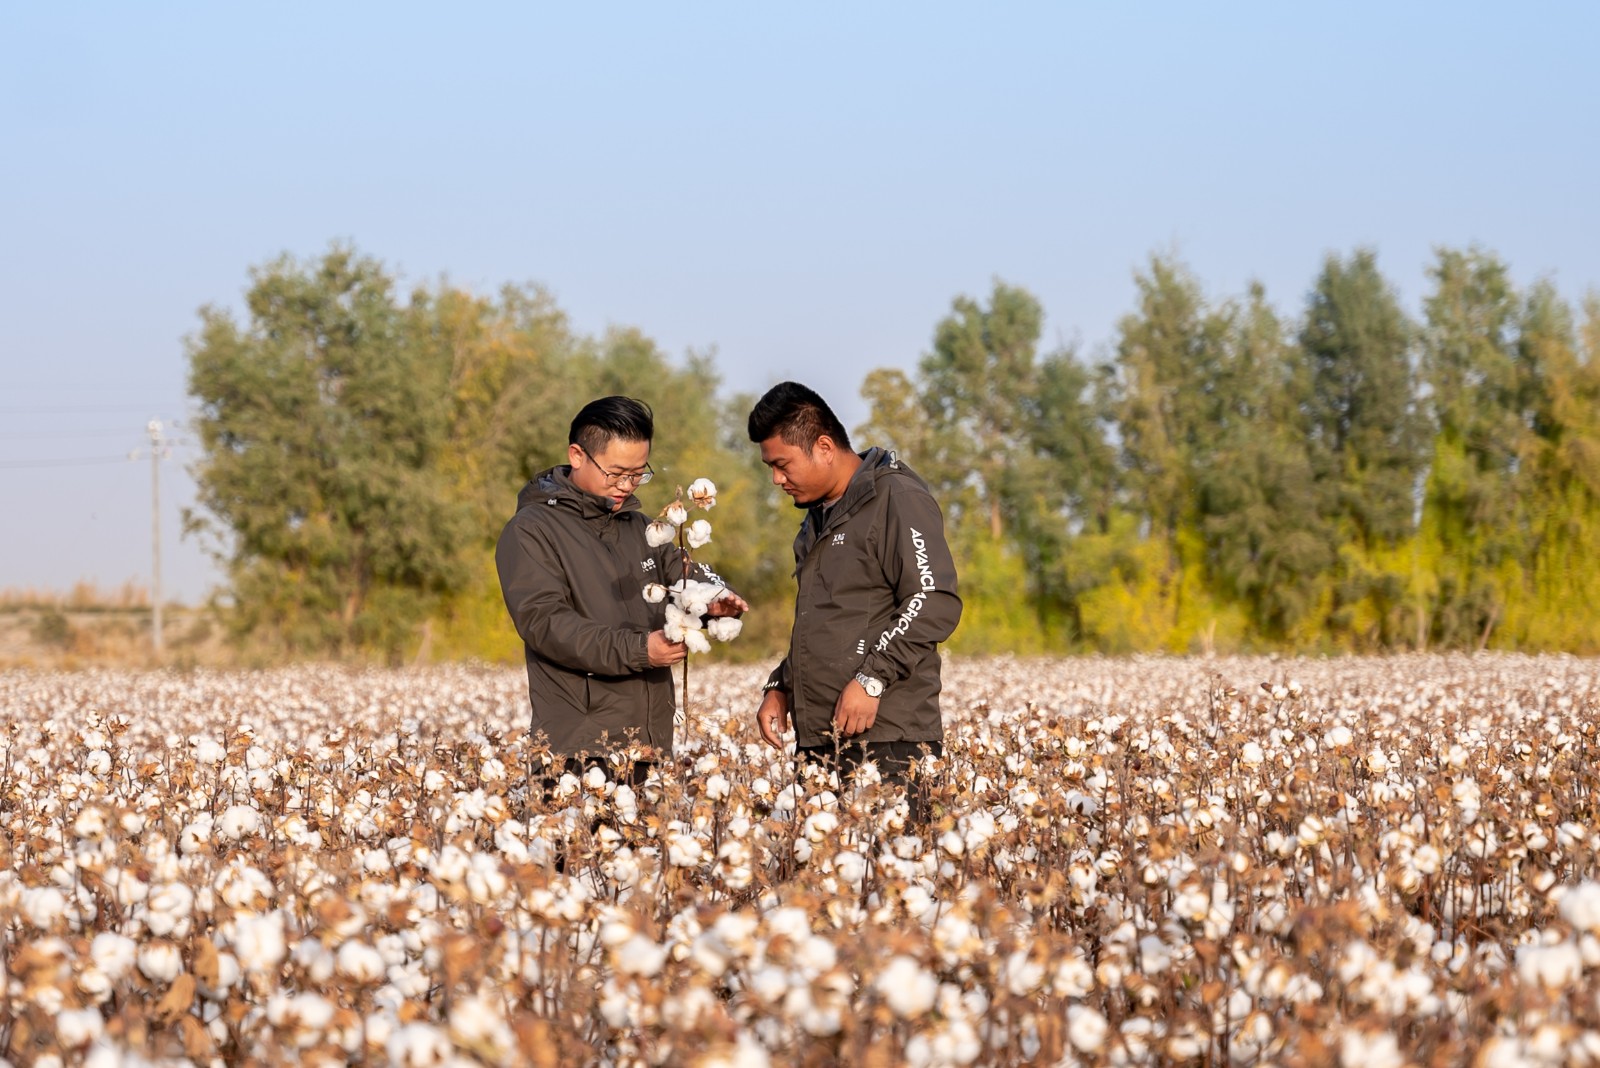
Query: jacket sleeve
[[538, 597], [779, 679], [917, 562]]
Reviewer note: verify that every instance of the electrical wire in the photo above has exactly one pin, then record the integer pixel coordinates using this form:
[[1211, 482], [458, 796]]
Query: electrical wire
[[73, 461]]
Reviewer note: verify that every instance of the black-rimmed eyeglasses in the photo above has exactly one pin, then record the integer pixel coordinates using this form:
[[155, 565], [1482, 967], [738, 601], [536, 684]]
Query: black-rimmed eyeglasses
[[617, 478]]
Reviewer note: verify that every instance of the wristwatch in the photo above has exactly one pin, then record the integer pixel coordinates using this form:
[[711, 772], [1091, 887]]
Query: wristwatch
[[874, 687]]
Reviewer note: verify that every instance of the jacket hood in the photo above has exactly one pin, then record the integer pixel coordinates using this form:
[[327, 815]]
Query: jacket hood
[[555, 484], [875, 463]]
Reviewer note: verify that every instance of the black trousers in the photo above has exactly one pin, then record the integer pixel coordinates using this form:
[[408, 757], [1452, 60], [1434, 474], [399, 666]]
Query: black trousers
[[894, 761], [632, 775]]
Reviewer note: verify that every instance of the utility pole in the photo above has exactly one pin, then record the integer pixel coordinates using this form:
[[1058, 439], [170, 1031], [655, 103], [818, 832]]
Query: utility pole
[[155, 534]]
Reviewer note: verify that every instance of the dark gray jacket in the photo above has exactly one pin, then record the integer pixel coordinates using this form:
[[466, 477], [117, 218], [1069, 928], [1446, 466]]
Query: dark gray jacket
[[876, 594], [573, 574]]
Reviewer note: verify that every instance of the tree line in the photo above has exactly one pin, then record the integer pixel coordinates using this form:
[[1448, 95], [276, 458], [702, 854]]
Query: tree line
[[1223, 478]]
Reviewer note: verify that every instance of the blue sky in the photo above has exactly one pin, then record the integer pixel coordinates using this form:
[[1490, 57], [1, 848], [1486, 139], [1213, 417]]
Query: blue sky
[[803, 188]]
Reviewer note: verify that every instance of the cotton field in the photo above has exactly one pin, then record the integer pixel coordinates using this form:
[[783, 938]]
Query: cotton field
[[1148, 861]]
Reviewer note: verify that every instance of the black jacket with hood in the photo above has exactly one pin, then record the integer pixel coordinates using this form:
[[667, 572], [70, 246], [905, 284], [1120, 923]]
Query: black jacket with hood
[[573, 573], [876, 594]]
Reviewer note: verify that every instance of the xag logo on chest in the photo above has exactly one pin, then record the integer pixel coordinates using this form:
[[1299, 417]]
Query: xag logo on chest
[[838, 539], [647, 565]]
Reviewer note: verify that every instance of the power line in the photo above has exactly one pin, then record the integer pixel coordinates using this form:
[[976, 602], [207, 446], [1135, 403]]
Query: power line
[[40, 435], [79, 386], [73, 461], [71, 409]]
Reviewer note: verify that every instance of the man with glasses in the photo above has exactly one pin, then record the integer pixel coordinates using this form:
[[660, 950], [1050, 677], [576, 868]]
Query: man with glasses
[[573, 565]]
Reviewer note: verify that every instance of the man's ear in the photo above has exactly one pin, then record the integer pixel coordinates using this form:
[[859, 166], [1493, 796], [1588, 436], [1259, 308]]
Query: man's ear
[[824, 450], [574, 454]]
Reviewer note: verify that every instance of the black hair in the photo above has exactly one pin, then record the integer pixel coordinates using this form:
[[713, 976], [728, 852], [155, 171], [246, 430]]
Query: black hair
[[796, 414], [603, 421]]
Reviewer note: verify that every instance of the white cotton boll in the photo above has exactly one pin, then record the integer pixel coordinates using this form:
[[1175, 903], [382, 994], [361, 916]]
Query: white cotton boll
[[228, 973], [210, 752], [908, 988], [1252, 755], [417, 1045], [684, 850], [659, 533], [485, 881], [95, 983], [1086, 1028], [814, 955], [725, 628], [360, 963], [479, 1026], [718, 787], [112, 953], [674, 628], [790, 921], [43, 906], [697, 641], [654, 592], [850, 867], [1073, 977], [76, 1028], [168, 904], [977, 828], [1580, 906], [1360, 1050], [639, 955], [98, 763], [698, 534], [258, 942], [703, 492], [195, 836], [1553, 967], [677, 514], [160, 962], [819, 825], [314, 959], [1022, 973]]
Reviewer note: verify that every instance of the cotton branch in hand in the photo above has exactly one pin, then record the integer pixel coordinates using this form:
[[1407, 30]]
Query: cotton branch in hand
[[690, 599]]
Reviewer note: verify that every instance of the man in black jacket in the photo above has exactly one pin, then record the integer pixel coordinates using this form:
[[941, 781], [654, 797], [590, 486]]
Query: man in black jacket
[[573, 565], [876, 594]]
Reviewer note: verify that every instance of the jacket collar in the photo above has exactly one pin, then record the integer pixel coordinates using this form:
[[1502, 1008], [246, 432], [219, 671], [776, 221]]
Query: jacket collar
[[554, 486], [862, 487]]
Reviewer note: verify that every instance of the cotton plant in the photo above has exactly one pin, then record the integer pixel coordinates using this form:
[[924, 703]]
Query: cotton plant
[[688, 599]]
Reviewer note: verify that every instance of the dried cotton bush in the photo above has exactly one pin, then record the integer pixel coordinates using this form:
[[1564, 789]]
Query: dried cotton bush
[[1129, 862]]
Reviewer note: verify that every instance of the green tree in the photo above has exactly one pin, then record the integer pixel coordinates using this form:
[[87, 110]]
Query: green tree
[[1367, 439], [1170, 356], [321, 423], [1011, 447], [1267, 545], [1559, 477], [1473, 532]]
